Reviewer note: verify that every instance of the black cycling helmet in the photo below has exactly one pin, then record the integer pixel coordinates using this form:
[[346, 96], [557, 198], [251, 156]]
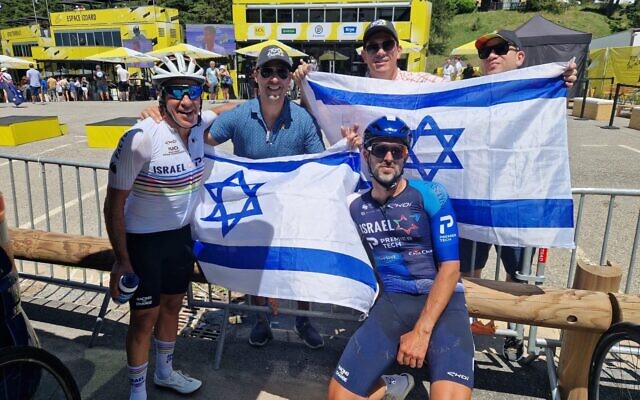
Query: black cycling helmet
[[387, 127]]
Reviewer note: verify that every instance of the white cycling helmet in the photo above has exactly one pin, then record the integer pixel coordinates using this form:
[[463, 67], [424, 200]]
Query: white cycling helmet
[[175, 66]]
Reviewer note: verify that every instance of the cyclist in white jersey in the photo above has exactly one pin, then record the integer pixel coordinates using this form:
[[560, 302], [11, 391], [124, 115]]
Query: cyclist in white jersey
[[154, 176]]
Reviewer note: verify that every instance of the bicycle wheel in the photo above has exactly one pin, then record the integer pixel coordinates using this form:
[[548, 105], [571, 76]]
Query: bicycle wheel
[[615, 365], [30, 373]]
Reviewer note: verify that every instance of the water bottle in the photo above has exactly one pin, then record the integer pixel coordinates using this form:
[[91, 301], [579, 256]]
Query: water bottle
[[127, 285]]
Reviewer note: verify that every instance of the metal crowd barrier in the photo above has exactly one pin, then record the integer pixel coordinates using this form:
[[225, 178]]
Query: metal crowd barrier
[[57, 196], [62, 196]]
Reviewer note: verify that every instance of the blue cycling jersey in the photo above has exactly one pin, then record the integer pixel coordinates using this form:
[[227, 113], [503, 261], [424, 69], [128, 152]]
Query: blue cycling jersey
[[409, 235]]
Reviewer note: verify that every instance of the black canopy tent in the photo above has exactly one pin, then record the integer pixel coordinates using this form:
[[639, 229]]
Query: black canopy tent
[[545, 42]]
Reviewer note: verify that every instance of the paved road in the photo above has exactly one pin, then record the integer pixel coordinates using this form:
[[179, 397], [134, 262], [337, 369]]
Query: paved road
[[285, 369]]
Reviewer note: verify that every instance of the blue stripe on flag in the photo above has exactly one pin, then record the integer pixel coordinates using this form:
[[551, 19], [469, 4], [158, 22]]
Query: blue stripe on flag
[[286, 259], [351, 159], [485, 95], [533, 213]]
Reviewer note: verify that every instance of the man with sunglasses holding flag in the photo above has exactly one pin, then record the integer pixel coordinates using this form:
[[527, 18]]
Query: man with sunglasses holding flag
[[271, 125], [154, 178]]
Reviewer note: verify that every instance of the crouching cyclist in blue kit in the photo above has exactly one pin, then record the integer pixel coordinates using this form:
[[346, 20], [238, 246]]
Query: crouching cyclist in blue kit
[[420, 316]]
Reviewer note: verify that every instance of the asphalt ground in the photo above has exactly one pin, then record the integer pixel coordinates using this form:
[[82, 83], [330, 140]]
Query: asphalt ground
[[285, 368]]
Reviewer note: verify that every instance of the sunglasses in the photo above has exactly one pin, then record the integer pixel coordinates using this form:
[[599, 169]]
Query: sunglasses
[[178, 91], [267, 72], [500, 50], [398, 152], [387, 46]]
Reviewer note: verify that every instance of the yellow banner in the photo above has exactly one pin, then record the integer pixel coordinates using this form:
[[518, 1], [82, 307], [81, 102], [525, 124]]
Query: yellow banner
[[621, 63], [112, 16], [333, 31]]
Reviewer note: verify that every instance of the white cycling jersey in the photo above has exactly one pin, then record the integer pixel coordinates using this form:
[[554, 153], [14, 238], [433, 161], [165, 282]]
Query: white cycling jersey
[[164, 177]]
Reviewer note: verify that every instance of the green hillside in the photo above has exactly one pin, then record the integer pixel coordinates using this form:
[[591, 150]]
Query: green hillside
[[467, 27]]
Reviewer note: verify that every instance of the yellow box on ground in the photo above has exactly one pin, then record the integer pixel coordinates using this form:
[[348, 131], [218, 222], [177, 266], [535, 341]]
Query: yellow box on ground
[[106, 134], [15, 130]]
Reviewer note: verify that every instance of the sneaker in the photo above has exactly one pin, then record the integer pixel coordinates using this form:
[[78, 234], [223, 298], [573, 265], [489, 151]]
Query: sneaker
[[478, 328], [261, 333], [398, 386], [178, 381], [308, 334], [513, 348]]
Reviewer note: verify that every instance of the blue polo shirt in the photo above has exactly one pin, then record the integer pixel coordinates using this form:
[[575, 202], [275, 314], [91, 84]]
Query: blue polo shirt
[[294, 132]]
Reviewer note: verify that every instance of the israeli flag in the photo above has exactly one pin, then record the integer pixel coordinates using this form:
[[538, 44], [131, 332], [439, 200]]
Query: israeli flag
[[281, 228], [498, 144]]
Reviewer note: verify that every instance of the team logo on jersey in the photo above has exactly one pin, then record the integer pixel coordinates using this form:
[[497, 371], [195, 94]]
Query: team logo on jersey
[[405, 225], [220, 213], [446, 221]]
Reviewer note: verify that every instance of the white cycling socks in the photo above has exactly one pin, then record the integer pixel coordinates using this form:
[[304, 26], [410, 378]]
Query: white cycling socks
[[164, 358], [137, 380]]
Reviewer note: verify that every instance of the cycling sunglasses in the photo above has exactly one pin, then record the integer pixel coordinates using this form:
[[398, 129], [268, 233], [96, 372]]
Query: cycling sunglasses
[[398, 152], [178, 91], [268, 72], [500, 50], [387, 45]]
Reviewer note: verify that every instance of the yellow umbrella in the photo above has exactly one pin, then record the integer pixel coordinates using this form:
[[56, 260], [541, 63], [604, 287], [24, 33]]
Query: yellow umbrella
[[13, 62], [187, 49], [331, 55], [406, 47], [254, 49], [466, 49], [122, 55]]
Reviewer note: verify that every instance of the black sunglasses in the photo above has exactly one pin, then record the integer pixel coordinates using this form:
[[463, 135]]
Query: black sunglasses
[[500, 50], [179, 91], [268, 72], [398, 152], [387, 45]]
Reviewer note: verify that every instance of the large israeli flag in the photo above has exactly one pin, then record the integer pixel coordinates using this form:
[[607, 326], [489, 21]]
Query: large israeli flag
[[498, 144], [281, 228]]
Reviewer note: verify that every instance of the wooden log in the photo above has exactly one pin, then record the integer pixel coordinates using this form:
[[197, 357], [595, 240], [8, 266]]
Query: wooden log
[[535, 305], [625, 308], [577, 347], [507, 301], [67, 249]]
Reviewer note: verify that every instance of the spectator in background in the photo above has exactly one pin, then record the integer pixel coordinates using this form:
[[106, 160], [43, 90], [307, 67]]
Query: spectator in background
[[35, 84], [78, 89], [213, 82], [51, 88], [84, 85], [226, 82], [6, 77], [458, 66], [123, 83], [448, 70], [468, 72], [64, 83], [100, 78], [59, 90]]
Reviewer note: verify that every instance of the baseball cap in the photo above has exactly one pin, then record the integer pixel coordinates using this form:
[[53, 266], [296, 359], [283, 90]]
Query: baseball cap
[[3, 69], [271, 53], [507, 36], [379, 25]]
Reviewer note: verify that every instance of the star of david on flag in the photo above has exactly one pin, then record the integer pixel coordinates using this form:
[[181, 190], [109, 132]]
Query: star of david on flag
[[497, 143], [250, 206], [281, 228]]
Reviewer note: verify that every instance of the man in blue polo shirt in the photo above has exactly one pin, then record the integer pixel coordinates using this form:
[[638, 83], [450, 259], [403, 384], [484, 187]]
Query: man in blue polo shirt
[[271, 125]]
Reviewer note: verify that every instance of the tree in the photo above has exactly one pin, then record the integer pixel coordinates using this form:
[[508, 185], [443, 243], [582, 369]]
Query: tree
[[442, 11]]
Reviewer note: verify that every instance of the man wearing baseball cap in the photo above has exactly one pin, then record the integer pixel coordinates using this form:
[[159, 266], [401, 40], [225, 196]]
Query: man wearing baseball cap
[[500, 51], [381, 51], [271, 125]]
